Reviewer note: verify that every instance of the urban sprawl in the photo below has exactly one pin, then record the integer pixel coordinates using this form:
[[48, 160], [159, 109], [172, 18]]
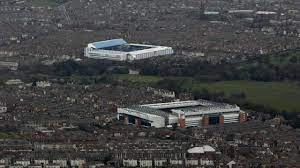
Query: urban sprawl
[[70, 94]]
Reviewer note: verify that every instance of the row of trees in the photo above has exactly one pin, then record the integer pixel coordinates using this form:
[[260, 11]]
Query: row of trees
[[70, 67], [262, 68], [204, 71], [201, 71]]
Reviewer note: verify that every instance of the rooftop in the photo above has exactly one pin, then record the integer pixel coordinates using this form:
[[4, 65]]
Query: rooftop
[[207, 109], [107, 43], [202, 149], [200, 103], [120, 45], [148, 110], [126, 48], [191, 107], [176, 104]]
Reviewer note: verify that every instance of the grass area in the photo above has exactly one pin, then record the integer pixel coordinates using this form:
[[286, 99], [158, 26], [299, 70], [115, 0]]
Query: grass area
[[277, 95], [138, 78], [5, 135]]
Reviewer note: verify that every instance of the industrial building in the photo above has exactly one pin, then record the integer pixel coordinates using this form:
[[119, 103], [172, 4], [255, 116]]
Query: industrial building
[[194, 113], [120, 50]]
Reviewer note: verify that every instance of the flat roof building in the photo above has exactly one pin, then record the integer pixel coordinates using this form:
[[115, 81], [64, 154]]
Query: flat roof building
[[120, 50], [181, 113]]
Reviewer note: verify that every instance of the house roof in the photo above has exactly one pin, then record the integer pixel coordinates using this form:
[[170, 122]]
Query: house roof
[[196, 150], [231, 162], [202, 149]]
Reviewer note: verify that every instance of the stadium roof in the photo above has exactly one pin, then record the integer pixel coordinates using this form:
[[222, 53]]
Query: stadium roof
[[148, 110], [107, 43], [206, 109], [176, 104]]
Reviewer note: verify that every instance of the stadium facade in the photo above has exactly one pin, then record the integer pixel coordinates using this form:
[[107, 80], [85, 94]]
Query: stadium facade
[[194, 113], [120, 50]]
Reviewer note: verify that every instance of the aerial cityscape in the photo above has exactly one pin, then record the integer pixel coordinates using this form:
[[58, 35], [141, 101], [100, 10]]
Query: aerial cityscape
[[150, 83]]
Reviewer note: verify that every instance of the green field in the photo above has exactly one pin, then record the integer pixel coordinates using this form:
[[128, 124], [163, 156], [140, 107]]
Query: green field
[[276, 95], [5, 135]]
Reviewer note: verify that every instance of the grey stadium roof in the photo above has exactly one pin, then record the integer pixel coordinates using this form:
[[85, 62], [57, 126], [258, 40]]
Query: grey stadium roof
[[108, 43], [149, 110]]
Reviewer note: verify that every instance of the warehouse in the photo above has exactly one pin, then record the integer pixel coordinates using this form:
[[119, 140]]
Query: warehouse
[[194, 113], [120, 50]]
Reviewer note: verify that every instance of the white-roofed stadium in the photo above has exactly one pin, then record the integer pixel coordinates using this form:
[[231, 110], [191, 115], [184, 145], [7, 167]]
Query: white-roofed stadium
[[182, 113], [120, 50]]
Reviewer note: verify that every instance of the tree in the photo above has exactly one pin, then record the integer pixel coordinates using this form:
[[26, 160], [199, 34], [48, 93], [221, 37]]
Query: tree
[[294, 59]]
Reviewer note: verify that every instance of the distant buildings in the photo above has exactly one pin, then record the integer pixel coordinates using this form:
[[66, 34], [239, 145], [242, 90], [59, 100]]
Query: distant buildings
[[9, 65], [14, 82], [167, 154], [43, 84], [162, 92], [120, 50], [201, 150], [182, 113]]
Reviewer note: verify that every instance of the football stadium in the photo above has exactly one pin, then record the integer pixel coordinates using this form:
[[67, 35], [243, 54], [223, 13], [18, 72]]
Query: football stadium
[[120, 50], [192, 113]]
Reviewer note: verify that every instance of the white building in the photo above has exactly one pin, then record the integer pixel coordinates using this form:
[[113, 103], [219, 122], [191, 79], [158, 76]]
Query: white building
[[201, 149], [23, 162], [120, 50], [43, 84], [14, 82], [61, 163], [130, 163], [145, 163], [191, 162], [194, 113]]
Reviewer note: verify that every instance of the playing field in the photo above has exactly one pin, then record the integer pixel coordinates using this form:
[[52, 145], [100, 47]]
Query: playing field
[[5, 135], [277, 95]]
